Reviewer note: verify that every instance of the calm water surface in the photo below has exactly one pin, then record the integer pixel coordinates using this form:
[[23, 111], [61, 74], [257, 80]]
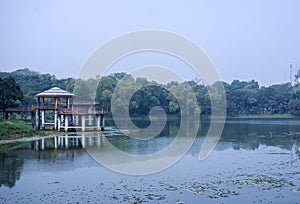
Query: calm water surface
[[255, 161]]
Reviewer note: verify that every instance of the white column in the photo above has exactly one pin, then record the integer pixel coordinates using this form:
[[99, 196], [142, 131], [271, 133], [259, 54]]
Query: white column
[[43, 119], [98, 122], [83, 123], [66, 123], [68, 103], [37, 119], [58, 123], [77, 120], [90, 120], [55, 119]]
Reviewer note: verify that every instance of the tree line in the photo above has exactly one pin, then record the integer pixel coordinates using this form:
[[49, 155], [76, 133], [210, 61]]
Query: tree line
[[242, 97]]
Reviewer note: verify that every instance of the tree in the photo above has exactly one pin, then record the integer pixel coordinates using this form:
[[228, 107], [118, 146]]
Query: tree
[[294, 107], [182, 99], [10, 93], [105, 90]]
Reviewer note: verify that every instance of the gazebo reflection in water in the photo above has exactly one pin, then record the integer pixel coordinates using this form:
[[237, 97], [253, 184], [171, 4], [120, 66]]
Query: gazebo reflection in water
[[61, 146], [68, 141]]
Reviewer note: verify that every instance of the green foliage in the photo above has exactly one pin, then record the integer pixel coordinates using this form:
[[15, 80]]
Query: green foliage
[[294, 107], [10, 93], [243, 97], [105, 90], [33, 82], [83, 90]]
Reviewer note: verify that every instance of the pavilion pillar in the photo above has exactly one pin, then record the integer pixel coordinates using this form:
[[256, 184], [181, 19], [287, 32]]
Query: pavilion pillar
[[83, 123], [66, 123], [55, 120], [76, 120], [68, 103], [55, 113], [98, 122], [61, 118], [90, 120], [43, 119], [37, 119], [90, 116], [58, 123], [37, 115]]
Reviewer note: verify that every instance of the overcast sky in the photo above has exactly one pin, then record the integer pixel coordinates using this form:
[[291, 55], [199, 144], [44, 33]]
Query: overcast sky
[[249, 39]]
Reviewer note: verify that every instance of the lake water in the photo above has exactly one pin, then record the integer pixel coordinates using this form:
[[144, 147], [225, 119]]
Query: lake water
[[255, 161]]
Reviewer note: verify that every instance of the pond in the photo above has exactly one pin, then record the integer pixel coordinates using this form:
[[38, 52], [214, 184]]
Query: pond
[[255, 161]]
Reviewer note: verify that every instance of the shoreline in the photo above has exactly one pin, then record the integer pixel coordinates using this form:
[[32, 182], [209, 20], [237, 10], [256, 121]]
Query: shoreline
[[31, 134]]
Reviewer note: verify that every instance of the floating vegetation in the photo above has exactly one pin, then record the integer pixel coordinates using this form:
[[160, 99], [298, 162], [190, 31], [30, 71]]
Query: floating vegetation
[[260, 180], [152, 196], [55, 182], [296, 190], [278, 153], [180, 202], [212, 190], [171, 188], [197, 191]]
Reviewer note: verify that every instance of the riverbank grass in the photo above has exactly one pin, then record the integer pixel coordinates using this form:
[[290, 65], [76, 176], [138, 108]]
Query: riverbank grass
[[15, 129]]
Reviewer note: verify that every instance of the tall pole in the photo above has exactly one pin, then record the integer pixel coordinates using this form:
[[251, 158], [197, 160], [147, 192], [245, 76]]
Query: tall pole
[[55, 113]]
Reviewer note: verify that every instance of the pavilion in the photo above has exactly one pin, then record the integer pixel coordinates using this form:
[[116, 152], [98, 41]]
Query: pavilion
[[56, 109]]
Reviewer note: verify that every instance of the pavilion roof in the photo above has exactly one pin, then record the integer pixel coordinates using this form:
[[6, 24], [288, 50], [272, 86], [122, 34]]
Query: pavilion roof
[[54, 92]]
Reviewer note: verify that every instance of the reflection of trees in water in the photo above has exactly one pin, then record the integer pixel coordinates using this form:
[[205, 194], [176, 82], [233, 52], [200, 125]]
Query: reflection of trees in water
[[10, 169], [251, 136]]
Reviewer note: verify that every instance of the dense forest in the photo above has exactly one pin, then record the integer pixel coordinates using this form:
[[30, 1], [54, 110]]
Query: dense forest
[[243, 97]]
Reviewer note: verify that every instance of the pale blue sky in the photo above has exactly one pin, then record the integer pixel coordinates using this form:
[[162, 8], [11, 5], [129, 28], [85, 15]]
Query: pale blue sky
[[249, 39]]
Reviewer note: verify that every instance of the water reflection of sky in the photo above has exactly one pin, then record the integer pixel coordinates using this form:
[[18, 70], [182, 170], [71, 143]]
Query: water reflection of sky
[[247, 165]]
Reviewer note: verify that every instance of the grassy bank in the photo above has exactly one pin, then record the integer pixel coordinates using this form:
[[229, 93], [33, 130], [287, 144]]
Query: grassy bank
[[11, 129]]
